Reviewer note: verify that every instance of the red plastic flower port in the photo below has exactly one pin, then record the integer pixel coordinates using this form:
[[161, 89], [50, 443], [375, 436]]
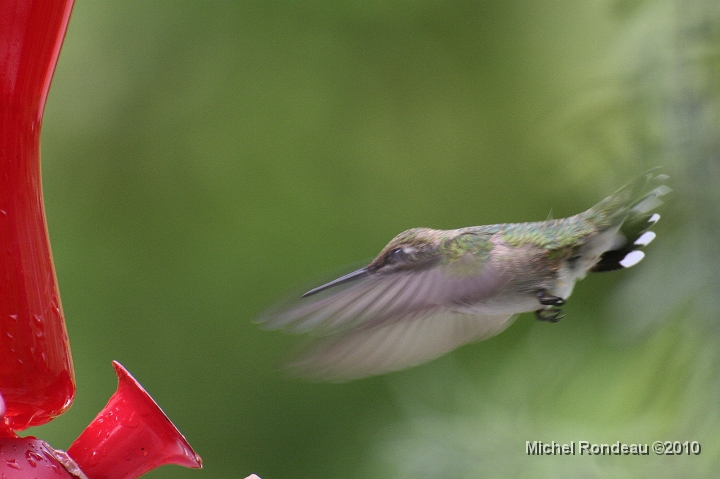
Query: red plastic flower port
[[130, 436]]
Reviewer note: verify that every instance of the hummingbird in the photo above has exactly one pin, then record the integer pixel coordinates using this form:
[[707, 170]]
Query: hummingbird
[[430, 291]]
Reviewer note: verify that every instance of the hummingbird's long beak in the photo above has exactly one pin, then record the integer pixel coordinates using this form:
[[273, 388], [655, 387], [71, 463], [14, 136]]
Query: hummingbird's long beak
[[341, 280]]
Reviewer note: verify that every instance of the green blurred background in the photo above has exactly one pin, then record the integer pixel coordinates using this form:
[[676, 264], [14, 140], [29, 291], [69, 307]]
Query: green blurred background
[[202, 159]]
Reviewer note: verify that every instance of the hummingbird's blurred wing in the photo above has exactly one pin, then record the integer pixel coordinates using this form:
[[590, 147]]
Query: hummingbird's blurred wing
[[370, 300], [384, 322], [397, 345]]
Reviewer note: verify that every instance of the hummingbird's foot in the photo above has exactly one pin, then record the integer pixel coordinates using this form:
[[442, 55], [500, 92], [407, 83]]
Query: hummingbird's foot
[[552, 314], [548, 299]]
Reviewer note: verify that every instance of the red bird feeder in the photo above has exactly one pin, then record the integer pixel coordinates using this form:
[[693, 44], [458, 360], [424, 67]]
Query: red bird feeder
[[131, 435]]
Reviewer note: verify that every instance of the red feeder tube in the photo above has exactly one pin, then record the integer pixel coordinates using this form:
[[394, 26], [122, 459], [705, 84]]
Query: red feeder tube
[[131, 435], [36, 373]]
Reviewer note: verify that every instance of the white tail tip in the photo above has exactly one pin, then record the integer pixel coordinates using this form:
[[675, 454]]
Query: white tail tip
[[632, 258], [645, 239]]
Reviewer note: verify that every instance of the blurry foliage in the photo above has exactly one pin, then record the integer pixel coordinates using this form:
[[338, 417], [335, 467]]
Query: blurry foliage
[[202, 158]]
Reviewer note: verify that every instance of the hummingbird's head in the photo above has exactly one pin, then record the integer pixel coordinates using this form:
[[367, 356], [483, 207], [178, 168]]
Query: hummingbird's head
[[412, 249]]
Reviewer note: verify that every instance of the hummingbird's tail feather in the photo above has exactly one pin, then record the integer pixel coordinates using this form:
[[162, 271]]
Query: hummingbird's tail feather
[[628, 215], [629, 201], [629, 254]]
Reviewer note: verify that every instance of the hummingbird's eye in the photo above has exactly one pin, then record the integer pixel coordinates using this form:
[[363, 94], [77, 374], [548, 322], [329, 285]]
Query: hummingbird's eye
[[395, 256]]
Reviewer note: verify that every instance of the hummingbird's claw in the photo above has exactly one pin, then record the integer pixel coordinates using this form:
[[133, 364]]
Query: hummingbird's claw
[[552, 314], [548, 299]]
